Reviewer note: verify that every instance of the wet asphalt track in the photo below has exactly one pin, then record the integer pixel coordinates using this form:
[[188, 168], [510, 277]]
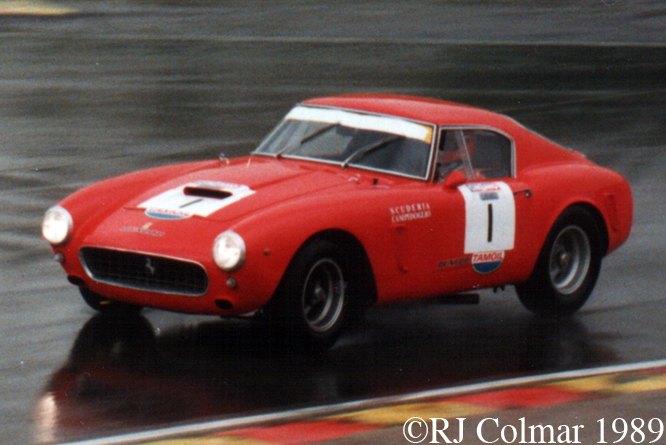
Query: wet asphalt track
[[121, 86]]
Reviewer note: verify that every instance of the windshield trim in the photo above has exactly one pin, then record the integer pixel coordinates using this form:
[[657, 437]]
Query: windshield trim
[[407, 130], [362, 121]]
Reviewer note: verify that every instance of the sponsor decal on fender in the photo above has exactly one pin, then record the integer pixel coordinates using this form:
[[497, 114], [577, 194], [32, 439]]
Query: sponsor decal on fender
[[166, 213], [410, 212], [487, 262], [484, 187], [455, 262], [145, 229], [489, 196]]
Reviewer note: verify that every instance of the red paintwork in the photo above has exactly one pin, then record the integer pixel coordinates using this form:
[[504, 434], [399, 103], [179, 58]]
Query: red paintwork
[[295, 200]]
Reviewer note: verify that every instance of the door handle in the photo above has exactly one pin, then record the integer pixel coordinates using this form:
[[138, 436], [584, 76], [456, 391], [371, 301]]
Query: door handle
[[528, 192]]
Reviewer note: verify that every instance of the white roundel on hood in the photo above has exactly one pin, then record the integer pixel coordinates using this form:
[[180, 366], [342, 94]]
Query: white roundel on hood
[[201, 198]]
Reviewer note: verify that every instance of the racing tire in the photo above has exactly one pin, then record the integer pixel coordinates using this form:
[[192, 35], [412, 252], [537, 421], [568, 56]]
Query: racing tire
[[313, 304], [104, 305], [567, 268]]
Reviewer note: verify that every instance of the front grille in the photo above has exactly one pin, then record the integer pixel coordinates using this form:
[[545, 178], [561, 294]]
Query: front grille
[[146, 272]]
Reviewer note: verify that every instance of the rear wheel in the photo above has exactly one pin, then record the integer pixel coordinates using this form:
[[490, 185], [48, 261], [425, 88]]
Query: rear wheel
[[313, 303], [105, 305], [568, 266]]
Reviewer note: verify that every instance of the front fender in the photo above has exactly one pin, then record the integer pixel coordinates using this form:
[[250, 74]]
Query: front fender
[[273, 237]]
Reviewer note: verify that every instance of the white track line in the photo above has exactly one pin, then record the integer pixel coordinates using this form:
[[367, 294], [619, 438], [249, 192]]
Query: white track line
[[329, 410], [316, 40]]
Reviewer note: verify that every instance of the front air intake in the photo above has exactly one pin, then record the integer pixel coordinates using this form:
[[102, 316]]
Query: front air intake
[[144, 272]]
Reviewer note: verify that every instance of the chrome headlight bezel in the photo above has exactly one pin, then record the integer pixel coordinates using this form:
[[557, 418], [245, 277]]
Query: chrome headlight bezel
[[57, 226], [229, 251]]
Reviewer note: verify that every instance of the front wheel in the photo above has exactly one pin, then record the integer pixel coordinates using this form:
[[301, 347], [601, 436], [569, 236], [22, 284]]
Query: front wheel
[[313, 300], [568, 266]]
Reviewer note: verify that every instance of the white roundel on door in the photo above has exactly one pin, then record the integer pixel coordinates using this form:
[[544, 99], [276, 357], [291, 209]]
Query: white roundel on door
[[490, 217]]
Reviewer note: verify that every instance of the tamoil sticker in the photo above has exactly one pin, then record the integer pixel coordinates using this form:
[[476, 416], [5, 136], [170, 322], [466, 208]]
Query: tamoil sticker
[[487, 262]]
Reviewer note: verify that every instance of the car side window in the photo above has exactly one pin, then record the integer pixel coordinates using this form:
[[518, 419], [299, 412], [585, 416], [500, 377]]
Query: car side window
[[479, 154], [492, 155]]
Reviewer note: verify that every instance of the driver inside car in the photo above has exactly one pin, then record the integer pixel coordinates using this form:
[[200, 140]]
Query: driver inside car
[[455, 152]]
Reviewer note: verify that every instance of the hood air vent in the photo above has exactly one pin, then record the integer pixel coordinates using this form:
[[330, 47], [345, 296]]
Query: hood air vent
[[206, 193]]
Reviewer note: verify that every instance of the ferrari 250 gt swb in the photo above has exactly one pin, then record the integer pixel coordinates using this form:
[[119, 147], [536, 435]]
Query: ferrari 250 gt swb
[[351, 201]]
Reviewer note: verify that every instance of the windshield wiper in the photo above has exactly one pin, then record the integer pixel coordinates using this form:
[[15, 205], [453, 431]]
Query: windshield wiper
[[307, 138], [361, 153], [316, 133]]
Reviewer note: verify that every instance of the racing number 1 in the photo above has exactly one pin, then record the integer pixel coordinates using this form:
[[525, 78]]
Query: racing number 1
[[490, 223], [490, 217]]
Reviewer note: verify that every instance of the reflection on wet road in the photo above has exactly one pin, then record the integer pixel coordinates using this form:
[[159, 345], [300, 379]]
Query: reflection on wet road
[[121, 375], [118, 87]]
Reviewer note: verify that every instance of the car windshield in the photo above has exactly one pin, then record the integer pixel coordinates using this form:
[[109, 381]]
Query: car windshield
[[383, 143]]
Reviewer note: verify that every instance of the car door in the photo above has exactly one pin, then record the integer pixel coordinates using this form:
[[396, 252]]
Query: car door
[[477, 220]]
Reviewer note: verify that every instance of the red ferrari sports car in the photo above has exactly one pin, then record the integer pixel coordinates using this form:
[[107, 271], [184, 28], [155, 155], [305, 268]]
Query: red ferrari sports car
[[350, 201]]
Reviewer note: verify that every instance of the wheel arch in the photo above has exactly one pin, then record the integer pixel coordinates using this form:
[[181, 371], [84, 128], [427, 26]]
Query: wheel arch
[[357, 263], [597, 217], [554, 296], [588, 208]]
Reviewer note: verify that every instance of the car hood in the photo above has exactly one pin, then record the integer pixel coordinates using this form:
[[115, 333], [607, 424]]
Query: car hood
[[228, 192]]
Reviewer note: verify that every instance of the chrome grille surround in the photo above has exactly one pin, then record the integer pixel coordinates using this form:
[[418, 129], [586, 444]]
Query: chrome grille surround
[[144, 271]]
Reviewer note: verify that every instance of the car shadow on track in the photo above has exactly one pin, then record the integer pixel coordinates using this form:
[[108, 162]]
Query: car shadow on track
[[124, 375]]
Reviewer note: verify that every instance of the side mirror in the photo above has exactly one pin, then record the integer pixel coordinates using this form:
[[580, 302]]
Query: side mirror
[[455, 179]]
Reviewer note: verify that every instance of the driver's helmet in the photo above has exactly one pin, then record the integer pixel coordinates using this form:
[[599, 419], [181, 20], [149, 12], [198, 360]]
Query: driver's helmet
[[452, 152]]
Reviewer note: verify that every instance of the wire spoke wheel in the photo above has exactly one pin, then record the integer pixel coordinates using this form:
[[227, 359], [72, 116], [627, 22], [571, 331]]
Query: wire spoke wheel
[[323, 295], [570, 259]]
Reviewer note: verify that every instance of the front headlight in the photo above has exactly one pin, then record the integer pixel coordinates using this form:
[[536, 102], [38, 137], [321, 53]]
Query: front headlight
[[229, 251], [57, 225]]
